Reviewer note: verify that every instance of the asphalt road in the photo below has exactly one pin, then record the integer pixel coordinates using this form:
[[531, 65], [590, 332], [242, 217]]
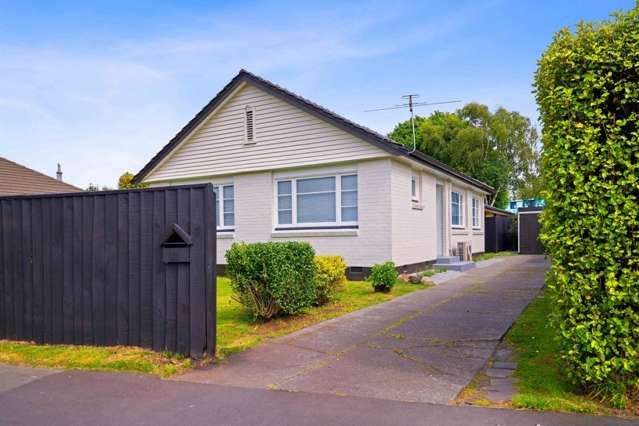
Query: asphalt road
[[86, 398]]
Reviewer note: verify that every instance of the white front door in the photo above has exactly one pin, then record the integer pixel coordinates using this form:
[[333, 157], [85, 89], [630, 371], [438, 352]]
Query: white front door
[[439, 201]]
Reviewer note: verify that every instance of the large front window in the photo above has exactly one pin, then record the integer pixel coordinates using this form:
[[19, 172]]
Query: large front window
[[224, 207], [317, 201], [457, 209]]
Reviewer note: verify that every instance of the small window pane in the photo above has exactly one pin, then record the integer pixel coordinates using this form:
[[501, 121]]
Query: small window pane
[[316, 208], [284, 187], [284, 202], [316, 185], [349, 198], [228, 205], [349, 214], [349, 183], [285, 217]]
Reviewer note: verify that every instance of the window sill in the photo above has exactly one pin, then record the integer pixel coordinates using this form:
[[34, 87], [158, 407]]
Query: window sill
[[416, 206], [460, 231], [222, 235], [293, 233], [478, 232]]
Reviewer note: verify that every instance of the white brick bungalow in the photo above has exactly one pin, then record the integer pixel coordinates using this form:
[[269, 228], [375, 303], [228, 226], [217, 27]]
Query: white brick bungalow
[[288, 169]]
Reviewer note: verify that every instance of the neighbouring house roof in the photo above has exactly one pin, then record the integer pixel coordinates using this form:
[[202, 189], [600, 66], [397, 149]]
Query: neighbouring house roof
[[16, 179], [351, 127], [498, 211]]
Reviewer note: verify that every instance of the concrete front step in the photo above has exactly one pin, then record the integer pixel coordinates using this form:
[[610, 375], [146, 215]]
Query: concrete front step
[[447, 259], [456, 266]]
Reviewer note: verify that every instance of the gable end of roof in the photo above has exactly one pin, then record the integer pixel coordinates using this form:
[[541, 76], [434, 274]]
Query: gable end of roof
[[314, 109]]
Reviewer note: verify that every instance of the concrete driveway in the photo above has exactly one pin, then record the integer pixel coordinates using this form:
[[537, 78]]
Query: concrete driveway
[[422, 347]]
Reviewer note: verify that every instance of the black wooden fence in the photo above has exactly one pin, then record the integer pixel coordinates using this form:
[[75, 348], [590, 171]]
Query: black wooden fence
[[130, 267]]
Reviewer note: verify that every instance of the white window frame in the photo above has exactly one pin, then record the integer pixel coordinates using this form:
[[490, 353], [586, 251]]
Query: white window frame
[[462, 216], [219, 188], [415, 187], [249, 108], [307, 225], [476, 213]]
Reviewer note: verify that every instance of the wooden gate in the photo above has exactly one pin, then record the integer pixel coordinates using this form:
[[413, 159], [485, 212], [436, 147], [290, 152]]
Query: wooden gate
[[528, 231]]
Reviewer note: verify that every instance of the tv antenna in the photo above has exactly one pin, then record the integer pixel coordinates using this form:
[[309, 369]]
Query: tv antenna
[[410, 105]]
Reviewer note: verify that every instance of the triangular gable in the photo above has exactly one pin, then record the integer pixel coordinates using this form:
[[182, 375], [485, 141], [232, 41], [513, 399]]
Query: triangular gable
[[360, 132]]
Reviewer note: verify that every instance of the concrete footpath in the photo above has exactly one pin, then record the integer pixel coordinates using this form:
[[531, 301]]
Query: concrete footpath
[[422, 347]]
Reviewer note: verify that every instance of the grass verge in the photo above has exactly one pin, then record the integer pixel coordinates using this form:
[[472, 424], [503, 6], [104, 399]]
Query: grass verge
[[113, 358], [237, 331], [542, 386], [490, 255]]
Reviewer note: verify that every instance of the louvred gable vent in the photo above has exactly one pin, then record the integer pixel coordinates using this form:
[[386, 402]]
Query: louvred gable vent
[[249, 125]]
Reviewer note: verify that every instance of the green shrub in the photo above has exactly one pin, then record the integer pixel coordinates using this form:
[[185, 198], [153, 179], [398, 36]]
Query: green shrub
[[587, 88], [383, 276], [271, 279], [330, 276]]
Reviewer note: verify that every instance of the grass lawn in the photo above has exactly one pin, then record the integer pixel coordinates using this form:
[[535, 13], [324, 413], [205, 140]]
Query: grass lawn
[[236, 330], [490, 255], [541, 384], [113, 358]]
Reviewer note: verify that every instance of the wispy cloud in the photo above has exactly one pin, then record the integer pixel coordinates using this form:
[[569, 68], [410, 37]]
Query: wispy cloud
[[107, 108]]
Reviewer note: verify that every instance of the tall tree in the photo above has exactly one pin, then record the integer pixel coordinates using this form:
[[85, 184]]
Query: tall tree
[[499, 148]]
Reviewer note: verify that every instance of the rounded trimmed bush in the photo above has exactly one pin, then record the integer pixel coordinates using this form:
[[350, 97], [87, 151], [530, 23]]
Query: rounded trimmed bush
[[272, 279], [383, 276], [330, 276]]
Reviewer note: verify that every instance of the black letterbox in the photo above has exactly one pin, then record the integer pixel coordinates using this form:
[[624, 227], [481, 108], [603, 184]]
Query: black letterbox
[[176, 247]]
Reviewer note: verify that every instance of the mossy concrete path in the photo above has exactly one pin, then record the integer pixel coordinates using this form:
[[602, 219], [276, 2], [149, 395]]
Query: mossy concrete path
[[425, 346]]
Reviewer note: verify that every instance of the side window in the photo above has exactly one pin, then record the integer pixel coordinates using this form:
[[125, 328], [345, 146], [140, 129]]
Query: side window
[[414, 187], [224, 206], [457, 209]]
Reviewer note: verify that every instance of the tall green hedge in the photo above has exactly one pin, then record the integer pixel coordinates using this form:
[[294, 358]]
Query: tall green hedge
[[587, 88]]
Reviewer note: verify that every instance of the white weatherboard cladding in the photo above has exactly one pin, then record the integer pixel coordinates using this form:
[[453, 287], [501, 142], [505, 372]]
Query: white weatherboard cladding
[[285, 136]]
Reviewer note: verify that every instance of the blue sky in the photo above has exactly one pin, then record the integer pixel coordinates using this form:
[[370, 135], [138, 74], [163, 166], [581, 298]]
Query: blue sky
[[101, 86]]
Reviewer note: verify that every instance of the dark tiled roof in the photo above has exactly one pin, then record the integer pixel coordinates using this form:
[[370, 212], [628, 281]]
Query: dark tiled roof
[[337, 120], [16, 179]]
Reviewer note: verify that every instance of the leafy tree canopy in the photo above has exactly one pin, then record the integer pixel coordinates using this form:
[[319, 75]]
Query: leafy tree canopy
[[499, 148], [126, 182]]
